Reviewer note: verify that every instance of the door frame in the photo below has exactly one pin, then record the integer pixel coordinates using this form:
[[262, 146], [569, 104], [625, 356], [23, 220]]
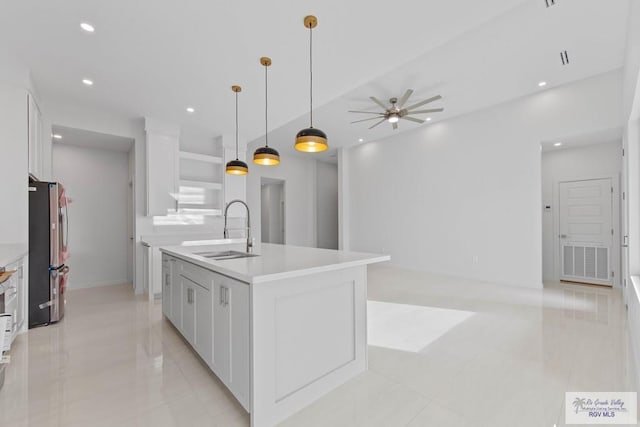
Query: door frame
[[283, 182], [615, 254]]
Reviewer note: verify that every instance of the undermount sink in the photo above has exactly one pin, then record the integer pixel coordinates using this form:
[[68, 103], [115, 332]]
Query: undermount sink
[[224, 255]]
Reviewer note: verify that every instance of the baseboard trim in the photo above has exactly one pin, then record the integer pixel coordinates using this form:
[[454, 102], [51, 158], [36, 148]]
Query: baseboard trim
[[86, 285]]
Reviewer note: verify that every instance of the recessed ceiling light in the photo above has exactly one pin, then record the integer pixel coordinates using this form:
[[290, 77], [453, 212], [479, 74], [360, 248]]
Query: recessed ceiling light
[[56, 136], [87, 27], [542, 84], [428, 119], [557, 144], [360, 140], [87, 82], [191, 110]]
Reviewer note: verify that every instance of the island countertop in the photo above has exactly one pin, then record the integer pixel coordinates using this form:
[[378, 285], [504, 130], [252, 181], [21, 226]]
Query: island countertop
[[274, 262]]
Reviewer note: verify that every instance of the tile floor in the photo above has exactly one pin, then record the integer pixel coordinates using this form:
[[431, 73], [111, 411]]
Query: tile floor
[[500, 356]]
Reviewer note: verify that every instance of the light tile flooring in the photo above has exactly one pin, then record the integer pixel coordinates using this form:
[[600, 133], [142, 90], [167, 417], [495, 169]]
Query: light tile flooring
[[507, 361]]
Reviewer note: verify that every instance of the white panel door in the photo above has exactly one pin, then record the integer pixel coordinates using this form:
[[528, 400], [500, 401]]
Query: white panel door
[[586, 231]]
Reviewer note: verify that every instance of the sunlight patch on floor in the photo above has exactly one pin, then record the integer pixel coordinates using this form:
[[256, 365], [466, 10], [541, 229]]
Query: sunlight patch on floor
[[409, 327]]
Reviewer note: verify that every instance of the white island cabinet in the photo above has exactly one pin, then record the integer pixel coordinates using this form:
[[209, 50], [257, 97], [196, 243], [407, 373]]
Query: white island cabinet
[[280, 329]]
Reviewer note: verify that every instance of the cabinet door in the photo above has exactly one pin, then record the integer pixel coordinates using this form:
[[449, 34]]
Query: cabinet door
[[188, 311], [176, 295], [34, 119], [22, 289], [238, 312], [204, 323], [146, 267], [162, 174], [221, 331], [166, 286]]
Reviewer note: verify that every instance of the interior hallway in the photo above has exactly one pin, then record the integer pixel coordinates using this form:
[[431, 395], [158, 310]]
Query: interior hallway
[[473, 354]]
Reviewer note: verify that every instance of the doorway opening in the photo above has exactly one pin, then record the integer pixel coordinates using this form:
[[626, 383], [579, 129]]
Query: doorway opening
[[581, 200], [97, 173], [272, 202]]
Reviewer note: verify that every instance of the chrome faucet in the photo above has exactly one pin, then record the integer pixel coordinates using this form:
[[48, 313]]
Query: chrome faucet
[[226, 229]]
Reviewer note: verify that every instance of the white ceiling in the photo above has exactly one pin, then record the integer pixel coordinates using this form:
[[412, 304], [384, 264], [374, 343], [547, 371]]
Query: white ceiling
[[156, 57], [89, 139], [605, 136]]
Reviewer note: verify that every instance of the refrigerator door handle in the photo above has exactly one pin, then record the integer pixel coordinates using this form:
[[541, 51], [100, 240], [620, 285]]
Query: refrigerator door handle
[[66, 225]]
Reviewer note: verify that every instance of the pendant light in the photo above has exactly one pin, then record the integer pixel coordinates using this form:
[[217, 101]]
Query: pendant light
[[237, 167], [311, 140], [266, 155]]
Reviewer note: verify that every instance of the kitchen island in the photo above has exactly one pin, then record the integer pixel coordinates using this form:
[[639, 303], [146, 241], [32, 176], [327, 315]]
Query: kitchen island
[[280, 329]]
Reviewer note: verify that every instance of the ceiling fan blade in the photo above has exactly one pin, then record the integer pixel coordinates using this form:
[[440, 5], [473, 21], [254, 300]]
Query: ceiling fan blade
[[405, 97], [426, 101], [377, 101], [364, 120], [412, 119], [366, 112], [381, 121], [395, 126], [433, 110]]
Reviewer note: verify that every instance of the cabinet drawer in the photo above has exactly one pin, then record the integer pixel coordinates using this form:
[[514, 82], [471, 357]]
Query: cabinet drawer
[[197, 274]]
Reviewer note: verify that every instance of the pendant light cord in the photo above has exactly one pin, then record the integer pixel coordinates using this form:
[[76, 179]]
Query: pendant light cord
[[311, 74], [266, 107], [236, 125]]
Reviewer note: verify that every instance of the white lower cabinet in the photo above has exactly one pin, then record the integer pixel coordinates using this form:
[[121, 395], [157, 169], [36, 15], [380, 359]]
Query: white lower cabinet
[[166, 285], [15, 295], [212, 313], [203, 319], [188, 310], [231, 339]]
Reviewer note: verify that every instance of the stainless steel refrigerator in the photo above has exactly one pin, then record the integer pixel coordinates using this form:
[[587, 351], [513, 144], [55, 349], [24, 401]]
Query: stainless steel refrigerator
[[48, 252]]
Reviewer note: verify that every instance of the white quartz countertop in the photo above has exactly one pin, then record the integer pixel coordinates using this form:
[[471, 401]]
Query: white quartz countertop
[[275, 262], [10, 252], [186, 240]]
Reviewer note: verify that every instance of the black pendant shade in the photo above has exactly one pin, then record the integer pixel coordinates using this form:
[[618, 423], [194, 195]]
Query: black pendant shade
[[237, 166], [311, 140], [266, 156]]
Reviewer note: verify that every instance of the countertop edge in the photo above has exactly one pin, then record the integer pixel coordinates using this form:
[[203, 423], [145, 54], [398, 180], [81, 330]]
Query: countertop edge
[[375, 258], [12, 252]]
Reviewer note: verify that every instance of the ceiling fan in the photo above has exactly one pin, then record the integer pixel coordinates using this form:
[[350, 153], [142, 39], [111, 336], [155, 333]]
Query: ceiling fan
[[396, 111]]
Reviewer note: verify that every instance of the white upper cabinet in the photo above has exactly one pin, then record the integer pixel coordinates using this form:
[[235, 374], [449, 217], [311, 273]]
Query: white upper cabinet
[[162, 142], [35, 135]]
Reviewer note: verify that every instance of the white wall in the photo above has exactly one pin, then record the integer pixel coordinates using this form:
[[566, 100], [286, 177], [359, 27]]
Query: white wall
[[299, 175], [462, 197], [572, 164], [631, 166], [96, 180], [327, 205], [632, 58]]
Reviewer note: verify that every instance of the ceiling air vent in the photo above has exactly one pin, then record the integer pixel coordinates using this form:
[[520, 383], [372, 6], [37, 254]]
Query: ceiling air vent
[[550, 3], [564, 57]]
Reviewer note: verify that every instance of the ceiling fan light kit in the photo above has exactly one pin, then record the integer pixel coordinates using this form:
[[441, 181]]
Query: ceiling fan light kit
[[311, 140], [266, 156], [237, 166], [395, 111]]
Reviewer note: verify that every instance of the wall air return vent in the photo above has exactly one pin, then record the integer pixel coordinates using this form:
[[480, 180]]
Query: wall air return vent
[[564, 57]]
